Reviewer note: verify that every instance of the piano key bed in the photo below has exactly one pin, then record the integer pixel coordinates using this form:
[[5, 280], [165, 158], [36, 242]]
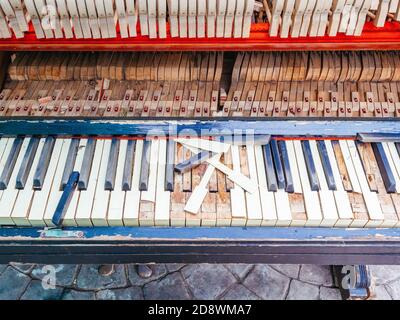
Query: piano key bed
[[282, 196]]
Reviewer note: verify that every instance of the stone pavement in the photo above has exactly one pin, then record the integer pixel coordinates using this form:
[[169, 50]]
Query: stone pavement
[[179, 281]]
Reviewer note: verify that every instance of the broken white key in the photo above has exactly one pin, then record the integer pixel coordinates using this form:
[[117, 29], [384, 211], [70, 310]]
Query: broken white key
[[199, 193]]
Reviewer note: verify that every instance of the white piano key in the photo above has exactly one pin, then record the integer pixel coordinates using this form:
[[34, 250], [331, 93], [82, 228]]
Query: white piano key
[[247, 16], [254, 210], [328, 204], [345, 211], [117, 197], [37, 26], [41, 198], [142, 9], [150, 193], [238, 200], [109, 7], [84, 208], [56, 191], [20, 212], [20, 14], [44, 16], [293, 167], [122, 20], [69, 219], [221, 12], [5, 31], [152, 18], [173, 10], [93, 21], [201, 18], [64, 19], [192, 15], [132, 198], [230, 12], [203, 144], [163, 198], [183, 6], [196, 199], [238, 22], [102, 18], [101, 197], [73, 11], [162, 18], [54, 18], [131, 8], [84, 19], [10, 194], [5, 145], [350, 167], [311, 199], [12, 19], [371, 198], [394, 161], [211, 15], [267, 198]]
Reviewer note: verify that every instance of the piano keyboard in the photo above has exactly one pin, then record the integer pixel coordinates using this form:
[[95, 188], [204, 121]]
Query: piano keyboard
[[94, 19], [128, 181], [254, 84]]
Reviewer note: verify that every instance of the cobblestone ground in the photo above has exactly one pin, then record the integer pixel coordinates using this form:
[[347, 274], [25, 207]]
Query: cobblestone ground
[[179, 281]]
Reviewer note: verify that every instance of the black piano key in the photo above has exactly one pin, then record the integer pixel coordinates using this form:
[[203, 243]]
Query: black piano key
[[323, 153], [193, 162], [384, 167], [65, 199], [43, 163], [26, 164], [10, 163], [312, 172], [145, 166], [70, 163], [269, 168], [280, 175], [109, 184], [87, 161], [169, 166], [128, 166], [286, 167], [397, 144]]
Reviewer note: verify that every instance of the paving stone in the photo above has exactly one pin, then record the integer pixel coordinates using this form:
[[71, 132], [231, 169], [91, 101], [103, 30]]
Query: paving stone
[[159, 270], [319, 275], [329, 294], [239, 292], [171, 287], [172, 267], [77, 295], [12, 284], [90, 279], [240, 270], [384, 274], [380, 293], [22, 267], [36, 291], [207, 281], [302, 291], [2, 267], [394, 289], [290, 270], [267, 283], [65, 273], [131, 293]]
